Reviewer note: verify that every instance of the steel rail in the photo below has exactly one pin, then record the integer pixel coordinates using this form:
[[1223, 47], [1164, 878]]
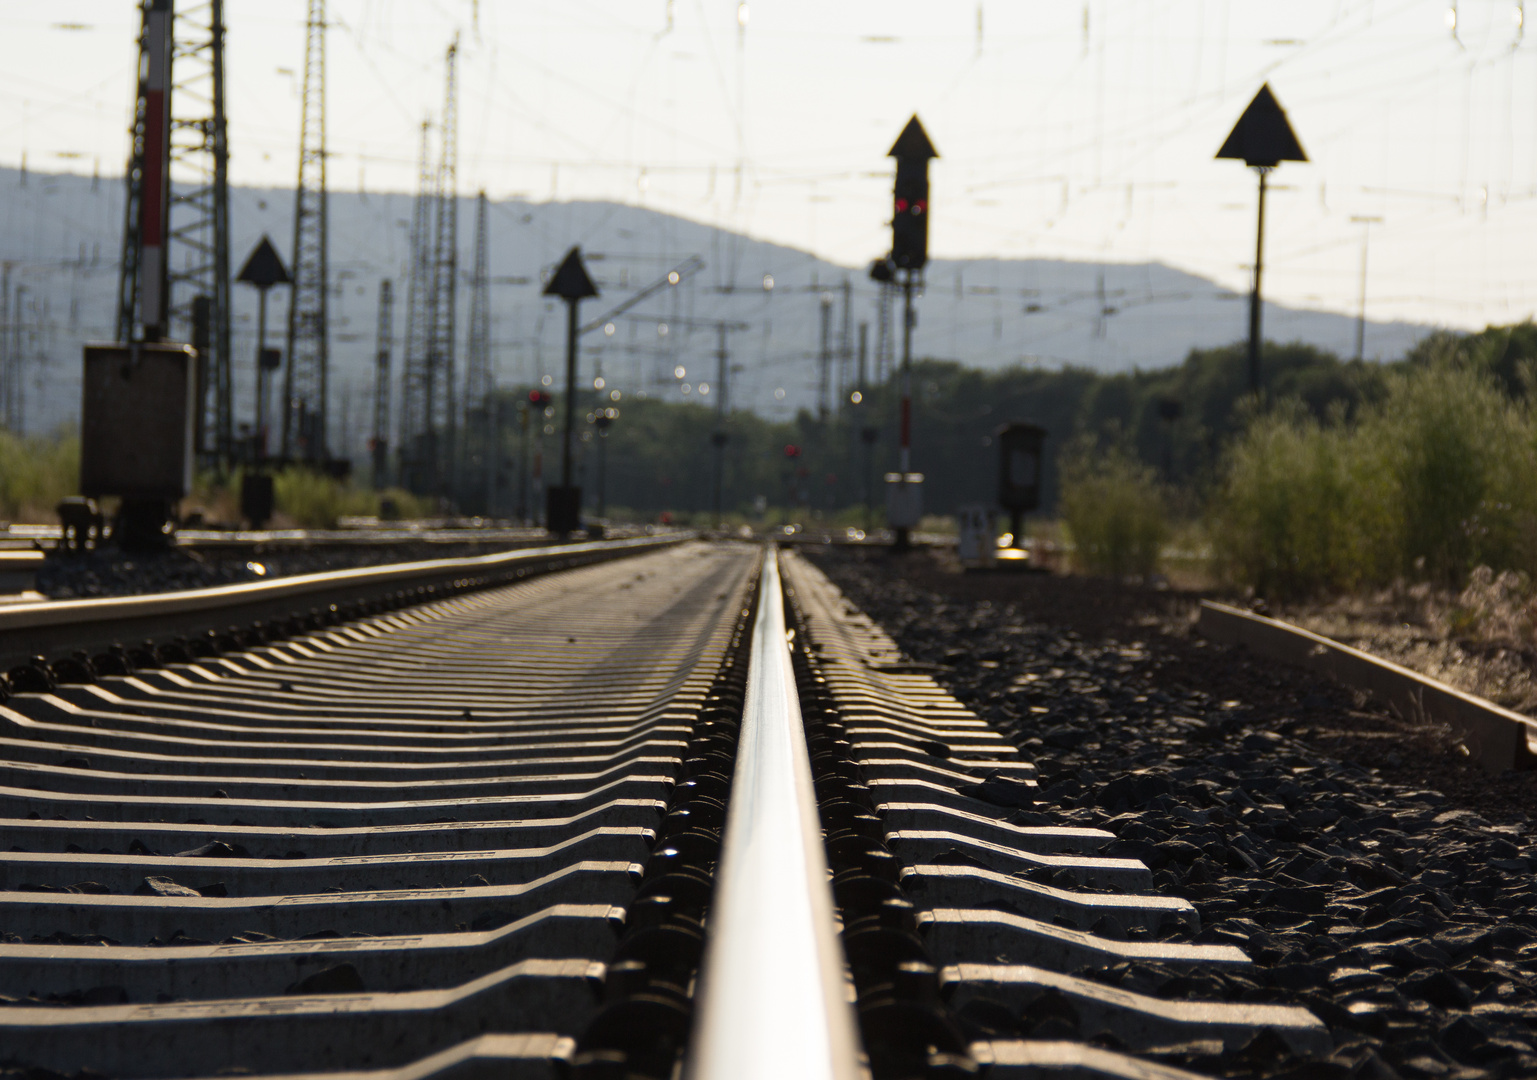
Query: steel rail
[[420, 828], [27, 629], [774, 998]]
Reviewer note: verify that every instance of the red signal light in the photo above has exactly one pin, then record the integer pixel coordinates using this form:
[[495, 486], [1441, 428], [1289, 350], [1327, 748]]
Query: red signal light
[[792, 451], [901, 206]]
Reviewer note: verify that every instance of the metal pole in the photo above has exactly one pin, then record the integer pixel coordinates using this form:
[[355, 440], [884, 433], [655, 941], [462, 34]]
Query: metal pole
[[905, 458], [523, 469], [492, 450], [5, 345], [602, 473], [155, 211], [882, 331], [845, 347], [261, 374], [1254, 297], [862, 430], [224, 430], [565, 447], [720, 418], [17, 420], [907, 375], [1361, 318], [1366, 224], [824, 360]]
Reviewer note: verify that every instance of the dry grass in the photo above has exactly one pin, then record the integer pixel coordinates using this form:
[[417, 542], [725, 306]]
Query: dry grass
[[1480, 639]]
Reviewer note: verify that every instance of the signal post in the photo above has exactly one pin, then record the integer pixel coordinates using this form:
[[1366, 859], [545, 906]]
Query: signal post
[[909, 254]]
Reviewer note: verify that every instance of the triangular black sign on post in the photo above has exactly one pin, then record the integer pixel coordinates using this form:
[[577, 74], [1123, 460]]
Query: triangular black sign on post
[[570, 281], [913, 144], [1262, 138], [264, 269], [910, 197], [563, 502]]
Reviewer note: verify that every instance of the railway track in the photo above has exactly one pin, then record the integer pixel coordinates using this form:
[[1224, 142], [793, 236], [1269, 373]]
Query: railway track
[[551, 813]]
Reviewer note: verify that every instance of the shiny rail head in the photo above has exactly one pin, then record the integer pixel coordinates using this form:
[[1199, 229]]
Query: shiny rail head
[[773, 999]]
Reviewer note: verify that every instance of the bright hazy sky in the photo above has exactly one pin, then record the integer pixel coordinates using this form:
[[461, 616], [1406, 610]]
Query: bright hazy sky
[[1081, 129]]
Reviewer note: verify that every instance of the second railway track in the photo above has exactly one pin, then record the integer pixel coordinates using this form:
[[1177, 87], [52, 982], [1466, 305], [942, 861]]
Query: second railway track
[[685, 809]]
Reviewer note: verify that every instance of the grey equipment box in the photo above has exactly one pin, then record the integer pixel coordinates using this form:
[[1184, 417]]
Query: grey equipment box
[[136, 420]]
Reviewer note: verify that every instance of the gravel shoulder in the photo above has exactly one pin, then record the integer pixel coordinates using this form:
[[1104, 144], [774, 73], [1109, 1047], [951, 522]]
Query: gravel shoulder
[[1480, 640], [109, 572], [1372, 872]]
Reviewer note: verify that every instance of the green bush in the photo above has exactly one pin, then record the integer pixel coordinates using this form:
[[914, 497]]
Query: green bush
[[315, 501], [1429, 481], [1295, 513], [1458, 455], [35, 473], [1114, 509]]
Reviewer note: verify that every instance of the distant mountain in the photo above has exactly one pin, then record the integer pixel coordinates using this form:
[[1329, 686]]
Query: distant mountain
[[61, 236]]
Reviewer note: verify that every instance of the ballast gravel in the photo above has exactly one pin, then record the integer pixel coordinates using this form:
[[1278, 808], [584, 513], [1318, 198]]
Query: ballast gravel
[[1286, 810], [110, 572]]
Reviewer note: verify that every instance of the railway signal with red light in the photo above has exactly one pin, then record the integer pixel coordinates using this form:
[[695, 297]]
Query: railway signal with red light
[[792, 451], [910, 217]]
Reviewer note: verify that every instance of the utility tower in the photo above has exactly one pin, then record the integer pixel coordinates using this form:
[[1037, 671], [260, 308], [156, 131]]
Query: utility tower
[[884, 339], [413, 389], [306, 377], [845, 347], [198, 265], [175, 265], [13, 354], [379, 445], [10, 382], [479, 454], [442, 307], [477, 371], [825, 358]]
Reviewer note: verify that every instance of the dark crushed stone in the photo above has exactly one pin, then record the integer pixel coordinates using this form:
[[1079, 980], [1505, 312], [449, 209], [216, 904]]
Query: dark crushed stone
[[179, 938], [1372, 873], [341, 979], [109, 572], [215, 849], [156, 885]]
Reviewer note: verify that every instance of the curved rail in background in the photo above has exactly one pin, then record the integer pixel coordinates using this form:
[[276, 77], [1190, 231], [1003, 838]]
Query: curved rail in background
[[773, 999], [60, 625]]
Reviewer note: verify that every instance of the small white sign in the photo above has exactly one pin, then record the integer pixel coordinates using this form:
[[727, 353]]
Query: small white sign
[[978, 542], [904, 501]]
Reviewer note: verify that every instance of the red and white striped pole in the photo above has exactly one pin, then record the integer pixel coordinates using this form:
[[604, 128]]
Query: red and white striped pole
[[907, 375], [155, 205]]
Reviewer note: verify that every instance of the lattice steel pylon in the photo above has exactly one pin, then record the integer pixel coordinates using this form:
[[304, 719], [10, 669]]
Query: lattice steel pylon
[[199, 229], [379, 445], [176, 262], [413, 384], [306, 376], [477, 455], [477, 369], [442, 414]]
